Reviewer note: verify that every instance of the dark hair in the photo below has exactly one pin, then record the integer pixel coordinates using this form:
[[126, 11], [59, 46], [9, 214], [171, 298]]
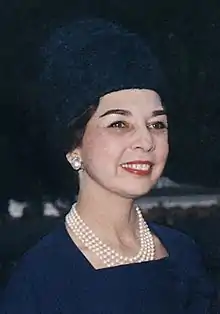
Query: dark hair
[[76, 128], [83, 61]]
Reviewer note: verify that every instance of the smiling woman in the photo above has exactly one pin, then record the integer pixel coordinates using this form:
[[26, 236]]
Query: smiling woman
[[123, 131], [102, 94]]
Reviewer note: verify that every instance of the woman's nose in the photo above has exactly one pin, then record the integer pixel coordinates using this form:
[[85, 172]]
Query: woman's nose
[[144, 140]]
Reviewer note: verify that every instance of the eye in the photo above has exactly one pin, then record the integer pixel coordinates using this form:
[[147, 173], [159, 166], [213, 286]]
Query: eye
[[119, 125], [158, 125]]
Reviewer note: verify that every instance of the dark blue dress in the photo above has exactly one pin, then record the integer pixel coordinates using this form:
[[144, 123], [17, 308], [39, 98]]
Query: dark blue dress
[[55, 277]]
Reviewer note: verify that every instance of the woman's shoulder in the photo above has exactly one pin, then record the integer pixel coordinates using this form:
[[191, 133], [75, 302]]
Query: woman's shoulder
[[180, 246], [187, 260], [41, 273], [171, 234], [47, 253]]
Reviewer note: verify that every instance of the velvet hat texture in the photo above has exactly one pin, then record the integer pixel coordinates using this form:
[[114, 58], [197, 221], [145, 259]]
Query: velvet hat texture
[[89, 58], [86, 59]]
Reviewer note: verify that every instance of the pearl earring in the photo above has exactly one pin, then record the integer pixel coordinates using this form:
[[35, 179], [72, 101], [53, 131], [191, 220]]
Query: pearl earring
[[76, 163]]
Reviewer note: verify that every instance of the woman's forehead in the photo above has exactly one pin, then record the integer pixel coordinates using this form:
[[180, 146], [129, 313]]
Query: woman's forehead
[[130, 100]]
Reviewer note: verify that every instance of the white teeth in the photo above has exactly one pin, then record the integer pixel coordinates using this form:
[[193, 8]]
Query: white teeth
[[137, 166]]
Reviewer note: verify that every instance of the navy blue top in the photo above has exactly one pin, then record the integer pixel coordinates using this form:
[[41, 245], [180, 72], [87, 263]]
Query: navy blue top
[[55, 277]]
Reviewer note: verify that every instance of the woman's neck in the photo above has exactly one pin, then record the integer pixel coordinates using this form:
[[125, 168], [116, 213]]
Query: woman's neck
[[108, 215]]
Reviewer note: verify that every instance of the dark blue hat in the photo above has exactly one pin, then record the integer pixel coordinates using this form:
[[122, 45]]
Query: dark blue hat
[[89, 58]]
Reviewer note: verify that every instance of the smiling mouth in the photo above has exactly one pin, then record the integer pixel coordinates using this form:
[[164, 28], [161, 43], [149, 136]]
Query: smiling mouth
[[138, 167]]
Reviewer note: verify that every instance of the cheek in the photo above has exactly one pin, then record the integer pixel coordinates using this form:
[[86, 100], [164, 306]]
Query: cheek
[[162, 149], [98, 149]]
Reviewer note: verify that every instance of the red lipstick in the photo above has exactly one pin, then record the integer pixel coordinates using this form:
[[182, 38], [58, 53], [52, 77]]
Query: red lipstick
[[138, 167]]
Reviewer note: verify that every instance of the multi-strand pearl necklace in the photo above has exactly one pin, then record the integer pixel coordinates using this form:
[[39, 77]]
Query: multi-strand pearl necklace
[[107, 255]]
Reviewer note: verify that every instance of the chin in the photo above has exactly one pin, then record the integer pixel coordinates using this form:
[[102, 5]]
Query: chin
[[134, 193]]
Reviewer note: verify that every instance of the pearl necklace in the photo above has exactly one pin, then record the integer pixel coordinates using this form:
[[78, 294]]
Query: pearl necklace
[[107, 255]]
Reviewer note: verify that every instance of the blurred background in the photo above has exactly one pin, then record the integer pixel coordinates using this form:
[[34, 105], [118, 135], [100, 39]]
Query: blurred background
[[35, 189]]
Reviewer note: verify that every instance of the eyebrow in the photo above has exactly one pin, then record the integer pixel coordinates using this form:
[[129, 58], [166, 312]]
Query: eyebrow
[[124, 112]]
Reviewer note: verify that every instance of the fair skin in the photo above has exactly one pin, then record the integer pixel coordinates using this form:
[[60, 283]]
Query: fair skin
[[128, 126]]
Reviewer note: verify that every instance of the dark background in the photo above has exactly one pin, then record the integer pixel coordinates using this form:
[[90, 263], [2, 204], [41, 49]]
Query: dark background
[[185, 37]]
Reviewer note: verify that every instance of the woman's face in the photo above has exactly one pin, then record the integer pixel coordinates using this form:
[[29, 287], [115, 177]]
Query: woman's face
[[125, 144]]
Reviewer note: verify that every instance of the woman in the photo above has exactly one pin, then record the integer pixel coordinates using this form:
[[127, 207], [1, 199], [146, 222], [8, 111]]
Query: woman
[[102, 90]]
